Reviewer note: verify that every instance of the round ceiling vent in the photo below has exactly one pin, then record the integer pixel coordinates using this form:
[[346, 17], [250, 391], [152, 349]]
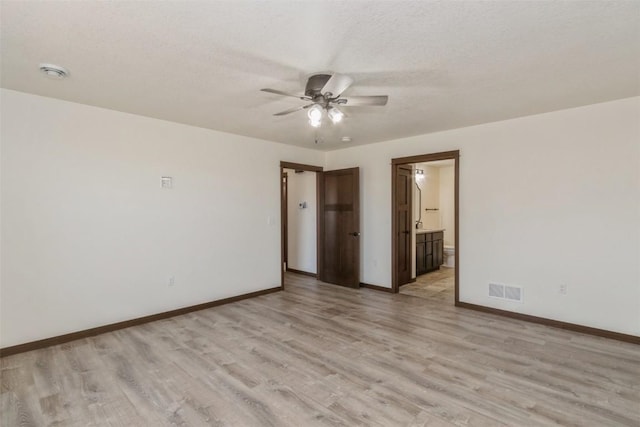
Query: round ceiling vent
[[54, 71]]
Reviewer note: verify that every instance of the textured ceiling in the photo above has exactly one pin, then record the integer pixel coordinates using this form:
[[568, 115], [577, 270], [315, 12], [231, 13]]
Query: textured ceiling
[[443, 64]]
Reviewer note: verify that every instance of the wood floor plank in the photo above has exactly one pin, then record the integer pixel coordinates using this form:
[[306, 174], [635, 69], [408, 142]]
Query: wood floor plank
[[323, 355]]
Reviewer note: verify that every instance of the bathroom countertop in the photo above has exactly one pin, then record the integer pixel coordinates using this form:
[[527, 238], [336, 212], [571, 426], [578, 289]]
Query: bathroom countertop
[[426, 230]]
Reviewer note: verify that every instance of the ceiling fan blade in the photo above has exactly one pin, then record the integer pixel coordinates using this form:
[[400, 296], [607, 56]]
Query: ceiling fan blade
[[337, 84], [357, 101], [292, 110], [279, 92]]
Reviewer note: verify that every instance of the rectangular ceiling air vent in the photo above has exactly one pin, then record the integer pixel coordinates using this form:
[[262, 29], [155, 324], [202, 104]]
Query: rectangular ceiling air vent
[[505, 292]]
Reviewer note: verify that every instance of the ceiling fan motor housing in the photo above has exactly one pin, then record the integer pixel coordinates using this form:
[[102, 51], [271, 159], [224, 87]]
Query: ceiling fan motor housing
[[315, 84]]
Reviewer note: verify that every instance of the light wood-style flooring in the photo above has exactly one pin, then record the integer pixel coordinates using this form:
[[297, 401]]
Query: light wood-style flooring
[[318, 354], [437, 285]]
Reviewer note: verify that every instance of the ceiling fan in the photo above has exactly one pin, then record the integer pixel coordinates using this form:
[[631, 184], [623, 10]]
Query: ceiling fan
[[324, 91]]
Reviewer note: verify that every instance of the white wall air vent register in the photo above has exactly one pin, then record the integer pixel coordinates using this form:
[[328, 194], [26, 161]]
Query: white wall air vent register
[[506, 292]]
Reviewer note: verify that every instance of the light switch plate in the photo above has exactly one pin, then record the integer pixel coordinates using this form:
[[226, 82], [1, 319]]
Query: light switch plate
[[167, 182]]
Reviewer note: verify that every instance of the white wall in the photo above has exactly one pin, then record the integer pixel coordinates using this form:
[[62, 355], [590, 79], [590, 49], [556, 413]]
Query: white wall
[[302, 230], [545, 200], [446, 203], [430, 186], [89, 237]]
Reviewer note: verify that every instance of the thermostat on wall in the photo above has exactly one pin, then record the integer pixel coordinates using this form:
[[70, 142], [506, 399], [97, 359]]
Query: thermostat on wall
[[167, 182]]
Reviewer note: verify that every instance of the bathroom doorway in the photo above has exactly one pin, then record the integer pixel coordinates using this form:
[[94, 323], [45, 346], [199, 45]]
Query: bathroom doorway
[[425, 250]]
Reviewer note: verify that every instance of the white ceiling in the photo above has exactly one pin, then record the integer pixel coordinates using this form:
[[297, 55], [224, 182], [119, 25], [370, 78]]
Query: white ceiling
[[443, 64]]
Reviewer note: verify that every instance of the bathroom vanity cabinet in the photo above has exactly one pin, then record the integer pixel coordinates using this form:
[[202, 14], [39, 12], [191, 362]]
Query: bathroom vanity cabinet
[[429, 247]]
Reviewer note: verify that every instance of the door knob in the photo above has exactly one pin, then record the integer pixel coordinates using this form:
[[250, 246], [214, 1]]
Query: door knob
[[406, 232], [355, 234]]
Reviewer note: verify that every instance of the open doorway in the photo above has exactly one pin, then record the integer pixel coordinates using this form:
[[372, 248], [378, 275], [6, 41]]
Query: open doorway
[[300, 220], [299, 195], [425, 248]]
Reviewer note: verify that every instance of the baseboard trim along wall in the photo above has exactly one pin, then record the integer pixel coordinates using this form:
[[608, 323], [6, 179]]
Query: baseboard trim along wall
[[376, 287], [553, 323], [304, 273], [61, 339]]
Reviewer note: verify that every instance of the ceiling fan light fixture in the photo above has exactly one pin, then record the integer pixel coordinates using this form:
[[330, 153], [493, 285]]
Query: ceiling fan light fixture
[[335, 115], [315, 113]]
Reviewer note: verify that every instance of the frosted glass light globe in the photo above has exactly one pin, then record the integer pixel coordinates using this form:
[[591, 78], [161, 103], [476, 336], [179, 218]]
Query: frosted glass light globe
[[315, 113], [335, 115]]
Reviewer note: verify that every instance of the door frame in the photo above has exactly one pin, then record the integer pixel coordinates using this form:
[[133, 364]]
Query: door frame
[[284, 206], [283, 215], [445, 155]]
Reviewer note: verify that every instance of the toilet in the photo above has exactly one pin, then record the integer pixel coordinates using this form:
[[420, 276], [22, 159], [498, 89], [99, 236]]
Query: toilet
[[449, 253]]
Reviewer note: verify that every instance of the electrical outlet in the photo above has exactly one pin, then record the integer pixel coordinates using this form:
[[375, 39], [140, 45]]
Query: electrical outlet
[[562, 289], [172, 281]]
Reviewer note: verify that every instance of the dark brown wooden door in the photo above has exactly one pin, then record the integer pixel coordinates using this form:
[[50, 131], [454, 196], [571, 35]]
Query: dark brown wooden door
[[285, 219], [340, 227], [404, 190]]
